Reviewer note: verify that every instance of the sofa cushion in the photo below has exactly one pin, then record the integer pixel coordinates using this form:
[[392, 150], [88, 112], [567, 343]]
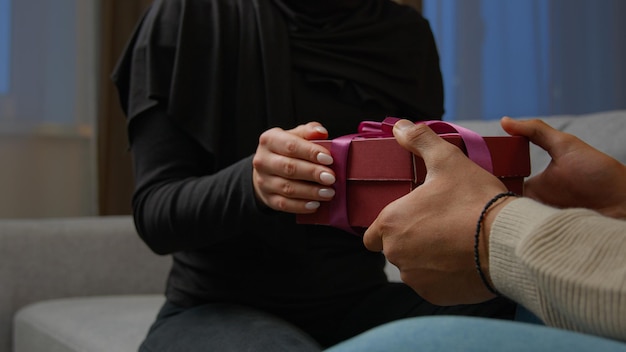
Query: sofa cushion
[[88, 324]]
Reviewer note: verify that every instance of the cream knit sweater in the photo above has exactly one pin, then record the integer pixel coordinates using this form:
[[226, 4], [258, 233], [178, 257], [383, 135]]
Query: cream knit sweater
[[566, 266]]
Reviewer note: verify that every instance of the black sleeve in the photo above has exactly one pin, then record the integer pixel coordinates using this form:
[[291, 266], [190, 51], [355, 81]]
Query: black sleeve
[[180, 202]]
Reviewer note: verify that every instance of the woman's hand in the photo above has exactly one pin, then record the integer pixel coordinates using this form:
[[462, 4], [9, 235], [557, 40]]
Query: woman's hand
[[290, 173], [578, 175], [429, 233]]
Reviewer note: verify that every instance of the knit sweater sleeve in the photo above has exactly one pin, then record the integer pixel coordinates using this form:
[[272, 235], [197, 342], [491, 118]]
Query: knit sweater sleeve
[[566, 266]]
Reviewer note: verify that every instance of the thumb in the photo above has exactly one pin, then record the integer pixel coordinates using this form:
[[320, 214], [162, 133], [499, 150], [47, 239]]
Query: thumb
[[537, 131], [420, 139]]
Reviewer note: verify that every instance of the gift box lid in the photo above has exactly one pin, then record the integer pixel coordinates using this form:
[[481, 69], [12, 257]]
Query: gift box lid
[[384, 159]]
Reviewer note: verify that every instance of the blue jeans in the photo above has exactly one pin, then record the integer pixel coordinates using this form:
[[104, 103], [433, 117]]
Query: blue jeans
[[472, 334]]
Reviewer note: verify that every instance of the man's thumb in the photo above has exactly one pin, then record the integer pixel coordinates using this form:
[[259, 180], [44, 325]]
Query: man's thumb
[[416, 138]]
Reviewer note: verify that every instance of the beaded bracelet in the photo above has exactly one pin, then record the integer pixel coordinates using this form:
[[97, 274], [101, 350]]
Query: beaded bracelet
[[477, 237]]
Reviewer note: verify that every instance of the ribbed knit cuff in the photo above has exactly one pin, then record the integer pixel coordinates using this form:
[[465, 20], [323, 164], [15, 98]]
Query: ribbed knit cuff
[[513, 224]]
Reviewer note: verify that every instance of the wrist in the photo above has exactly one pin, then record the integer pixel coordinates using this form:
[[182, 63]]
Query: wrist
[[482, 235], [491, 216]]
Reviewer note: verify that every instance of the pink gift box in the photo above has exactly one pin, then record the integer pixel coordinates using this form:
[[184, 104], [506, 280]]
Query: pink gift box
[[378, 171]]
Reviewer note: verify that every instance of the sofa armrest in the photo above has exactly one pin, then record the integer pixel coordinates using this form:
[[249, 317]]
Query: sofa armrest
[[65, 257]]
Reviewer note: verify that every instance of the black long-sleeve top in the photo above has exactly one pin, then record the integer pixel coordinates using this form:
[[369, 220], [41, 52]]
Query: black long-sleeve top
[[201, 80]]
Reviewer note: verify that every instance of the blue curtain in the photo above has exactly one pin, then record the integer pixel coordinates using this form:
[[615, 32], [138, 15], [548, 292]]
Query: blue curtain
[[530, 58], [5, 36]]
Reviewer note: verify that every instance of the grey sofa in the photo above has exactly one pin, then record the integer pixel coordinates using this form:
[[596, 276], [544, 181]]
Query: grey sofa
[[89, 284], [80, 284]]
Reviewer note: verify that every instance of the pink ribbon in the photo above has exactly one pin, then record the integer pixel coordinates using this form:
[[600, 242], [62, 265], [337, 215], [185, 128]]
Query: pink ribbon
[[474, 144]]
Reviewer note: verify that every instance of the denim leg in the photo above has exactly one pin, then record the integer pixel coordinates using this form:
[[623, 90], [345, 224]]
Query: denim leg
[[473, 334]]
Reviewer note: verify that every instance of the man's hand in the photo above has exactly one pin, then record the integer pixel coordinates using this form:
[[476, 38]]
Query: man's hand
[[429, 233], [578, 175]]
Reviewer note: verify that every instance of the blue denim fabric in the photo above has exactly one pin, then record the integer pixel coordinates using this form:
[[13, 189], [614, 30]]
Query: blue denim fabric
[[472, 334]]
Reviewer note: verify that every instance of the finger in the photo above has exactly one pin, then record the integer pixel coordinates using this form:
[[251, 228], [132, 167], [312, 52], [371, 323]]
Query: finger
[[292, 144], [537, 131], [290, 205], [423, 142], [311, 130], [553, 141], [294, 189], [293, 168]]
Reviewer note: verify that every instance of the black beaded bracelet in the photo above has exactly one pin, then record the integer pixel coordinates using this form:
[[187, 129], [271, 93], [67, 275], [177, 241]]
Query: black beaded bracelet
[[477, 237]]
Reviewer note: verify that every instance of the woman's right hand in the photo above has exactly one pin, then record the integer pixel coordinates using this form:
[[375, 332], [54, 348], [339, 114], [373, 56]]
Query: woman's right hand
[[291, 173], [578, 175]]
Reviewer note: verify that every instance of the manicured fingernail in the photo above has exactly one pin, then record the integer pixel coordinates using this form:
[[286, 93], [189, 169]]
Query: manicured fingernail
[[324, 159], [403, 124], [326, 192], [321, 129], [327, 178], [312, 205]]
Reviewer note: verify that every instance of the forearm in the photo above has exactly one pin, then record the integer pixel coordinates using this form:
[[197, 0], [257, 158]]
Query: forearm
[[567, 266], [195, 212], [182, 200]]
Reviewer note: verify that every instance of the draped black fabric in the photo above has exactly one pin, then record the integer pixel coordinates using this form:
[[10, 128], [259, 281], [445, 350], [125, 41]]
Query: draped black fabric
[[224, 71], [223, 67], [382, 51]]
